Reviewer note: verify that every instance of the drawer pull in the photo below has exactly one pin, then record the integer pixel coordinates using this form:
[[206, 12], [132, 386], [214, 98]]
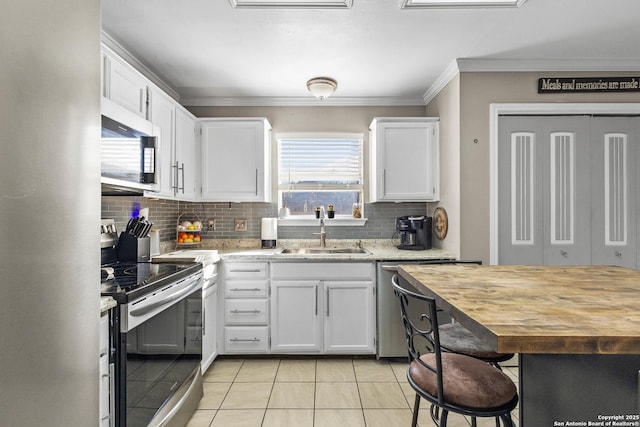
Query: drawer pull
[[256, 339], [246, 271], [245, 289], [236, 311]]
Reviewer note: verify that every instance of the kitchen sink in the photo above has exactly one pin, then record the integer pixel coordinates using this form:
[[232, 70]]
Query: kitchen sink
[[325, 251]]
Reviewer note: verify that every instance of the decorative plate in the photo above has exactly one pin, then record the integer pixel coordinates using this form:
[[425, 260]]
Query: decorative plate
[[440, 223]]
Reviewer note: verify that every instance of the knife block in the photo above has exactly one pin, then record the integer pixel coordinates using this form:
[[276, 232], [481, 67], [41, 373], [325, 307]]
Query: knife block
[[132, 248]]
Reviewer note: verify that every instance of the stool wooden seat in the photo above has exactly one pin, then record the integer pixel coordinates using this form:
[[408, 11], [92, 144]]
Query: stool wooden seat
[[451, 382]]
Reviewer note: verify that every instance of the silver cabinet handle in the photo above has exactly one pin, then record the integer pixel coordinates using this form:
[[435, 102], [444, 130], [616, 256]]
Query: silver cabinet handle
[[175, 177], [316, 299], [182, 188], [245, 289], [256, 339], [327, 302], [245, 311], [256, 182], [563, 253], [619, 254], [257, 270], [384, 181]]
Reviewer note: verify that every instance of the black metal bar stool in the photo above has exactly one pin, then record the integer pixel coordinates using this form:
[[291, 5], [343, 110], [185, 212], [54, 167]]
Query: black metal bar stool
[[452, 382]]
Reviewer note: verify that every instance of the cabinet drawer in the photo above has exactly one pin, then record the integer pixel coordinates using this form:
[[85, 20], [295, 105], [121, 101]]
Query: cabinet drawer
[[246, 339], [323, 270], [246, 312], [246, 270], [246, 288]]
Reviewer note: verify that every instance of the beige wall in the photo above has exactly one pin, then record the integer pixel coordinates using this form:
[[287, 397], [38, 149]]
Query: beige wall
[[477, 92], [447, 106], [315, 119]]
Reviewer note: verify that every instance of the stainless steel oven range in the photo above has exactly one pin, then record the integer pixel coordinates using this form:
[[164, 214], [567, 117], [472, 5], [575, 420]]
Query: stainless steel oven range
[[158, 378]]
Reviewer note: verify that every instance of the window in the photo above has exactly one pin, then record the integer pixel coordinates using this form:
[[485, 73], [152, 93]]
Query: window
[[320, 170]]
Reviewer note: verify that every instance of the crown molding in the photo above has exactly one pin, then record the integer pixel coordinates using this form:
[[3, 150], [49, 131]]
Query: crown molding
[[299, 102], [471, 65], [528, 65], [291, 4], [457, 4], [447, 75], [121, 51]]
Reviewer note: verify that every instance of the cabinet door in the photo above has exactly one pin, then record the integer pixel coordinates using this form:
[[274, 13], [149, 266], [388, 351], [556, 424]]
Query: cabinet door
[[125, 86], [236, 161], [349, 313], [296, 320], [185, 164], [406, 161], [163, 114], [209, 332]]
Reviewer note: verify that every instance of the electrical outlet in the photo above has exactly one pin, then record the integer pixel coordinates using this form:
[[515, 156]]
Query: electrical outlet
[[211, 224], [240, 225]]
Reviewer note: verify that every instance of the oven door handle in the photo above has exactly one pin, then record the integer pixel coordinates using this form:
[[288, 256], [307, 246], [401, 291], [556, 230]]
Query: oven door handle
[[165, 301]]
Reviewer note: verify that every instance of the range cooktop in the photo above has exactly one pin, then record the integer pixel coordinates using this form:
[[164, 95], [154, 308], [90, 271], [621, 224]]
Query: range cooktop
[[126, 281]]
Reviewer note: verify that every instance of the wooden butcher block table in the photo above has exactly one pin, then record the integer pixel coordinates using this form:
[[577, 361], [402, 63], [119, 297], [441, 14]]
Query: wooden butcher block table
[[576, 330]]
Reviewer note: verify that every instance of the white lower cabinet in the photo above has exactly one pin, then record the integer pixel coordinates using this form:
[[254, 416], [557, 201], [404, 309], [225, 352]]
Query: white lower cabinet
[[296, 322], [322, 308], [246, 307], [349, 313], [106, 374]]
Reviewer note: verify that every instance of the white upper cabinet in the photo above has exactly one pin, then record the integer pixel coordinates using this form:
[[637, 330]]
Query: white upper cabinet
[[124, 85], [162, 113], [404, 159], [185, 159], [236, 160], [176, 152]]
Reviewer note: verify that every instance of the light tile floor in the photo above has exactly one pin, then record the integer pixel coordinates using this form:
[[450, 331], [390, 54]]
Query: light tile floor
[[313, 392]]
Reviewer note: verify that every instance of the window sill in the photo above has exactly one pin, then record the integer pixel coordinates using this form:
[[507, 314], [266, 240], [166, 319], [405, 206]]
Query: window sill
[[329, 222]]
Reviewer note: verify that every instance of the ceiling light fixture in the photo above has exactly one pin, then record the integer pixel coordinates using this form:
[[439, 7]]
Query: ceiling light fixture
[[460, 4], [322, 87]]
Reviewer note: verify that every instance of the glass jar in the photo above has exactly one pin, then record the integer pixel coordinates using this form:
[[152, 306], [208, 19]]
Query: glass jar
[[357, 210]]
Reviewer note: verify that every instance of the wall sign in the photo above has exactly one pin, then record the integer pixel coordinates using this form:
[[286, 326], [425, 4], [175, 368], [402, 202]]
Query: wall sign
[[588, 84]]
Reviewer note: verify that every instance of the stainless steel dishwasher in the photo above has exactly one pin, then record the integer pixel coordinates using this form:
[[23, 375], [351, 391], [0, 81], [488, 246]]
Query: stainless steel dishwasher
[[391, 339]]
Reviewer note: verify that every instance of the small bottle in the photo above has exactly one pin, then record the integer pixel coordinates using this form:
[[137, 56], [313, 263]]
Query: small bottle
[[356, 210]]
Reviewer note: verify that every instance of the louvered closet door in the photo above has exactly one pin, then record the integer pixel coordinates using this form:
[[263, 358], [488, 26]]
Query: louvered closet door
[[613, 184], [543, 190], [566, 190], [520, 208]]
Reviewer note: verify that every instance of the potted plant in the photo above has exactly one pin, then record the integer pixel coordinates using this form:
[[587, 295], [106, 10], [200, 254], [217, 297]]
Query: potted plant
[[330, 211]]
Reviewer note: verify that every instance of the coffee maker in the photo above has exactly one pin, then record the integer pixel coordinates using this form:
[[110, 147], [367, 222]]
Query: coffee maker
[[414, 232]]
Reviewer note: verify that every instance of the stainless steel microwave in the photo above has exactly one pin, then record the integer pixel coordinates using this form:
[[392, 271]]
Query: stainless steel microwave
[[128, 149]]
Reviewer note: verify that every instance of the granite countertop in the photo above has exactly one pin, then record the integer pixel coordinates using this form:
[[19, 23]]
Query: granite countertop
[[106, 304], [378, 250]]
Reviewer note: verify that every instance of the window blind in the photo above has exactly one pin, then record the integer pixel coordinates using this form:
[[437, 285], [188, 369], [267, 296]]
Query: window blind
[[313, 162]]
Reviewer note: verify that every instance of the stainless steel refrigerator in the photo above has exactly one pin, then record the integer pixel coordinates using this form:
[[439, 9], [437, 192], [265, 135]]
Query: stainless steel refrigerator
[[49, 212]]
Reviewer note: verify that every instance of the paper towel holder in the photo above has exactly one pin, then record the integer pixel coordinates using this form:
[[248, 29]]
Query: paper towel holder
[[269, 233]]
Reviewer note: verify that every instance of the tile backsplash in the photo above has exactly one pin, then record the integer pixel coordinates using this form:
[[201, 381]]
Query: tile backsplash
[[164, 214]]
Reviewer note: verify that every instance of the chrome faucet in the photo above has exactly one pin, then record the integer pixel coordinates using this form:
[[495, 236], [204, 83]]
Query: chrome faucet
[[323, 232]]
